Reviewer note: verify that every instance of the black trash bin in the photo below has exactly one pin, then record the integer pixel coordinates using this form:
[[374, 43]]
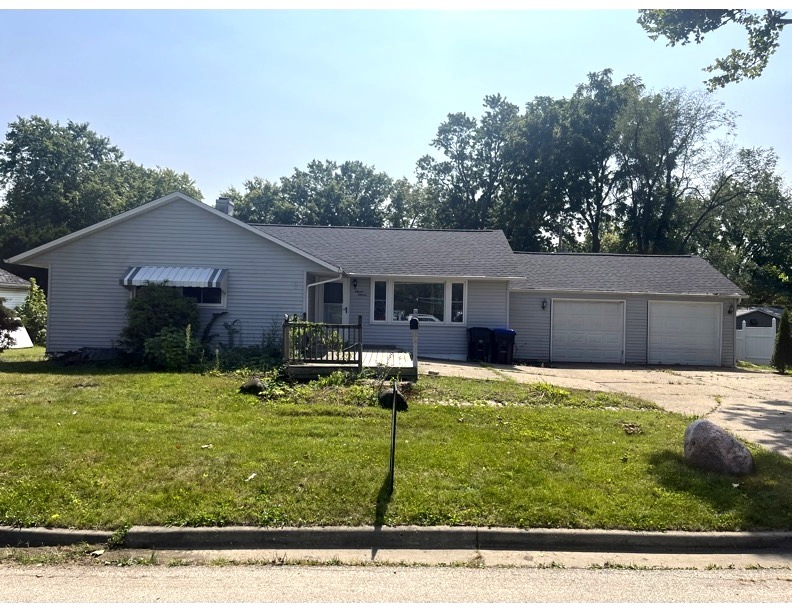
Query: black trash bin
[[502, 345], [479, 341]]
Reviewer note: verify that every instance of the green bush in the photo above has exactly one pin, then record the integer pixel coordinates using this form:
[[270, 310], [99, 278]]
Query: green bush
[[782, 355], [154, 309], [173, 350], [8, 323], [33, 313]]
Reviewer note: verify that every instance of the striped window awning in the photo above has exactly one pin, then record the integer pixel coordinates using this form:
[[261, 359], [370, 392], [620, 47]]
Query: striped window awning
[[175, 277]]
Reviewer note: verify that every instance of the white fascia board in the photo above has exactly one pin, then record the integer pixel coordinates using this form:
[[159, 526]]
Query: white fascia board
[[176, 195], [460, 277], [647, 293]]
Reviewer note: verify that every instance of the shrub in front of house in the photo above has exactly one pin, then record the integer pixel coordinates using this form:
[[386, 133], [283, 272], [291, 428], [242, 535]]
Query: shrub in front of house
[[33, 313], [8, 323], [782, 355], [164, 318]]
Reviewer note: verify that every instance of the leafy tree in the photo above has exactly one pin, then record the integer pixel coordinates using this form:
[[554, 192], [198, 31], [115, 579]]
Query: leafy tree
[[331, 194], [467, 182], [409, 206], [154, 309], [33, 313], [782, 354], [663, 145], [534, 206], [8, 323], [587, 144], [56, 179], [682, 25], [262, 202]]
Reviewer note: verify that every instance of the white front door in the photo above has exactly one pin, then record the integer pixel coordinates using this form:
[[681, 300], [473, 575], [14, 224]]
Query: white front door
[[587, 331], [684, 333], [335, 302]]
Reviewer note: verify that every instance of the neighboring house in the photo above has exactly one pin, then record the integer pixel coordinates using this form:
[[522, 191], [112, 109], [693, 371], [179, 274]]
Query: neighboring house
[[604, 308], [759, 316], [563, 307], [260, 273], [13, 289]]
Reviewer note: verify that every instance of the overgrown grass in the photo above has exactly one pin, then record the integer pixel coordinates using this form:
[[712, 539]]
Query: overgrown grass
[[101, 447]]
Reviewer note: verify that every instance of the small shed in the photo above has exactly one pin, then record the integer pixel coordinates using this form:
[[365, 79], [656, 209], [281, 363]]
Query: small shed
[[758, 316], [13, 288]]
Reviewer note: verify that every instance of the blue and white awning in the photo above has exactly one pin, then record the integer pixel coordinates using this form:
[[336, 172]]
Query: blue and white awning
[[175, 277]]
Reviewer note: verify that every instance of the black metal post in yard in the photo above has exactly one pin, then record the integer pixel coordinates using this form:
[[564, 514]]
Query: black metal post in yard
[[393, 441]]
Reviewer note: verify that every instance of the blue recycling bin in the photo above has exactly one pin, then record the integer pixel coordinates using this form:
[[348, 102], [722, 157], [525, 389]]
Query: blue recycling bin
[[502, 345]]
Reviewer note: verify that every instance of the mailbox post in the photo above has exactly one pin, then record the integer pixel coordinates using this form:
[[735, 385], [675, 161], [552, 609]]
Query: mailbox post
[[414, 331]]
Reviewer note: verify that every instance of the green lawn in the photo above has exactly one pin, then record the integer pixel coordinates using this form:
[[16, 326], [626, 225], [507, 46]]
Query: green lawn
[[101, 447]]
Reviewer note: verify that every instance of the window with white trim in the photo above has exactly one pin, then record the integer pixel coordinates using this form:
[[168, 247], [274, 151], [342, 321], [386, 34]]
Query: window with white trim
[[436, 302], [203, 296]]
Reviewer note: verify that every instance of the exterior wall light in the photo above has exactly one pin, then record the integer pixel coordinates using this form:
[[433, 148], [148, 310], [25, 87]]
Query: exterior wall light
[[544, 304], [354, 283]]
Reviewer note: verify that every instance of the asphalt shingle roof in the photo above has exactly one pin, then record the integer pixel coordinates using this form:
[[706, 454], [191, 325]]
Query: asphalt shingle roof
[[654, 274], [6, 279], [403, 252]]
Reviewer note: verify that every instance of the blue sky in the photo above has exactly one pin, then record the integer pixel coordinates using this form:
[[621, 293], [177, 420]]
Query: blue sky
[[229, 95]]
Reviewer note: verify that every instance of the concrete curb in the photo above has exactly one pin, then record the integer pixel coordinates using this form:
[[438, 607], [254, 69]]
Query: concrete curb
[[418, 538], [39, 536]]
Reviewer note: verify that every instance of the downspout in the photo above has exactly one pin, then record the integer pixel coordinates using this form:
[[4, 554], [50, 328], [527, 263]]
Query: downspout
[[316, 284]]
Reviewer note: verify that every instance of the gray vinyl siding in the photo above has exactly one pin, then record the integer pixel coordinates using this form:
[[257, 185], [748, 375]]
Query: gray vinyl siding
[[487, 306], [13, 297], [87, 303], [532, 324]]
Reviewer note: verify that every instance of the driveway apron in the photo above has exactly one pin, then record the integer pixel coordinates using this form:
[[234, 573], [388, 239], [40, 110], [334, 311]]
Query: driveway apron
[[752, 404]]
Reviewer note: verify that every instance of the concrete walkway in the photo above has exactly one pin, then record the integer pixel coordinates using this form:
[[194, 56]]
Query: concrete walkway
[[755, 405]]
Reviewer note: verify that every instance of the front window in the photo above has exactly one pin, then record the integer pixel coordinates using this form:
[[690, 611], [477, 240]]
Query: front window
[[431, 301], [425, 298]]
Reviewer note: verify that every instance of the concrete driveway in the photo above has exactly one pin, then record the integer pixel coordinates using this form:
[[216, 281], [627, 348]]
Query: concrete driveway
[[754, 405]]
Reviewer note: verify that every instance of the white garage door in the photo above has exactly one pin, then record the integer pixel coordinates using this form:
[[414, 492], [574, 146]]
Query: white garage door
[[587, 331], [685, 333]]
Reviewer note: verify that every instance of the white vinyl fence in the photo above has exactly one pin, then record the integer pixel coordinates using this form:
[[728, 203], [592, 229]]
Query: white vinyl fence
[[755, 344]]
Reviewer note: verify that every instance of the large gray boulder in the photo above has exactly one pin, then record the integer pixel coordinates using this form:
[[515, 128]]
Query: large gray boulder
[[712, 448]]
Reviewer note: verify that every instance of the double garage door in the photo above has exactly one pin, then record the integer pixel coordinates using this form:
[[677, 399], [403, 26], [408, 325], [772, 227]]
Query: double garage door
[[593, 331]]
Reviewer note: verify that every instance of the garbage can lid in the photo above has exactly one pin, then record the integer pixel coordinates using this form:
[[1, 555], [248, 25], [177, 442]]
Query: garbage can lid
[[504, 331]]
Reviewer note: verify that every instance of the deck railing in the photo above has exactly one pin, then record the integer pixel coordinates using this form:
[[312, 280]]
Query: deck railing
[[305, 342]]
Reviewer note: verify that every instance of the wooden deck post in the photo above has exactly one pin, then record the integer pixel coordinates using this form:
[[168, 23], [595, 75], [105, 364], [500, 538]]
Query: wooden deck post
[[286, 347], [360, 342]]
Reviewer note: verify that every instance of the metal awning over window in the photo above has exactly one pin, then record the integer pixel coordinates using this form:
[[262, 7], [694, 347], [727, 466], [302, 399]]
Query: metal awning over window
[[175, 277]]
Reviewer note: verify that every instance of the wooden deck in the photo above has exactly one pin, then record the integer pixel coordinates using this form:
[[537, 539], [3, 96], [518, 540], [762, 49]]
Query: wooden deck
[[393, 363]]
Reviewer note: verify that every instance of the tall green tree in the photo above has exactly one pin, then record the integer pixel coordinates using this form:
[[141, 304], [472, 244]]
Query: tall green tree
[[56, 179], [467, 181], [326, 193], [410, 206], [664, 142], [690, 25], [262, 201], [587, 142], [782, 353], [535, 210]]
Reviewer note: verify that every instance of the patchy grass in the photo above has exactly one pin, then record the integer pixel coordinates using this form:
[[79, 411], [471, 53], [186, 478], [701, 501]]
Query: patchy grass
[[102, 447]]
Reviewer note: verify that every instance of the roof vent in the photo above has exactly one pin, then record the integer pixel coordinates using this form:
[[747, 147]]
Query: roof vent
[[224, 205]]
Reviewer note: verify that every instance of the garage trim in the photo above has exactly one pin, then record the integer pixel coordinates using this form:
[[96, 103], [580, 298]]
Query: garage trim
[[623, 305]]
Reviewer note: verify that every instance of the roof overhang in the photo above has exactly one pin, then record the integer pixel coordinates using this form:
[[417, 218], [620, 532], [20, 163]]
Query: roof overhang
[[139, 276], [167, 199], [737, 296]]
